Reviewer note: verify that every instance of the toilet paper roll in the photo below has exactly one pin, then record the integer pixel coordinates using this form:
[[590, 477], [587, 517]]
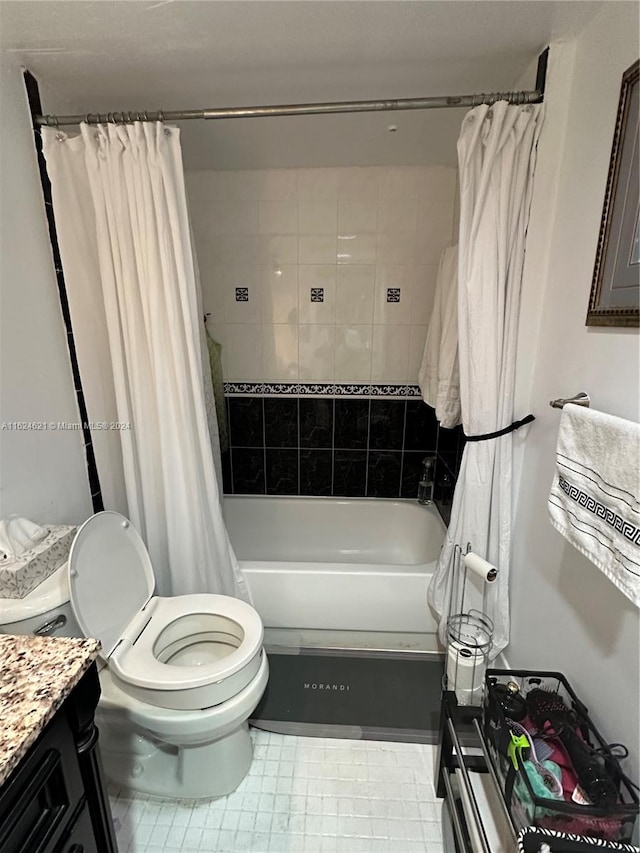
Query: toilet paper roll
[[465, 673], [480, 567]]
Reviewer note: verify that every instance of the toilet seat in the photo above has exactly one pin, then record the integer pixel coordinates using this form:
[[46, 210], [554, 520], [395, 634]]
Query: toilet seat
[[189, 620], [188, 652]]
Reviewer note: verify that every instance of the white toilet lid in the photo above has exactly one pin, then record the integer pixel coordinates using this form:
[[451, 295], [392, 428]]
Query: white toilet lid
[[110, 577]]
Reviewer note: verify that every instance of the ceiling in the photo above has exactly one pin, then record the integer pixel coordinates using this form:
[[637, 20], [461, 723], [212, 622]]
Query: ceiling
[[134, 54]]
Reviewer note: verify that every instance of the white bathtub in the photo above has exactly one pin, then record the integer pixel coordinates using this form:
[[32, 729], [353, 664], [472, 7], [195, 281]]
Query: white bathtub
[[337, 564]]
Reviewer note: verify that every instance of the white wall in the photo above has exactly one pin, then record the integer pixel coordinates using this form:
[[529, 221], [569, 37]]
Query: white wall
[[565, 614], [355, 233], [422, 138], [42, 472]]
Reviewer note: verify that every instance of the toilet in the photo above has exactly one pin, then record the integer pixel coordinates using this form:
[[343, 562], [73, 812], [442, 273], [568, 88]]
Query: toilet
[[180, 676], [44, 612]]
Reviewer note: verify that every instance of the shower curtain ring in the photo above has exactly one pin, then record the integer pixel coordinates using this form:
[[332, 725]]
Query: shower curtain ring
[[160, 115], [60, 134]]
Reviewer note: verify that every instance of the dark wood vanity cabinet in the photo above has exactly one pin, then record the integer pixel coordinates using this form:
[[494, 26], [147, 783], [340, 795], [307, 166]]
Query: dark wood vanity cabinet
[[55, 800]]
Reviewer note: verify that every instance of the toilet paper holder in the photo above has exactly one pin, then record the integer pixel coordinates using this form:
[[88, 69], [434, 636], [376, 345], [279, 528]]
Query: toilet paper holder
[[469, 629]]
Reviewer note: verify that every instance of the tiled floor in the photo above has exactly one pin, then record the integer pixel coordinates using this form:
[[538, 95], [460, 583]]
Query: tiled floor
[[302, 795]]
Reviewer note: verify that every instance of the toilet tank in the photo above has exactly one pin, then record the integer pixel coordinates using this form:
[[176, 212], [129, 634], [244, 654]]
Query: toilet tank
[[46, 611]]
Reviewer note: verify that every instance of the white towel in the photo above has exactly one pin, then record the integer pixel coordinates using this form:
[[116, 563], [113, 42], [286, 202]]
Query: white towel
[[439, 375], [594, 500]]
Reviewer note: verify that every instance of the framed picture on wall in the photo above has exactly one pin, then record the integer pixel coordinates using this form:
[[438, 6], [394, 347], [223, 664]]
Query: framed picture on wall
[[615, 291]]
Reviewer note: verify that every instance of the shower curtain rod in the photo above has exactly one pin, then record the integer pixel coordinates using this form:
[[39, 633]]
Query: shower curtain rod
[[429, 103]]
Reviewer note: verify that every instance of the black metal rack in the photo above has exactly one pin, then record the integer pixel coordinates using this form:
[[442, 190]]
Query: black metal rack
[[460, 732]]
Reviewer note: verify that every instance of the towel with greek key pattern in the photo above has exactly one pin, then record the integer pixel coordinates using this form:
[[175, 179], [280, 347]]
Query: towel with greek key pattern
[[595, 496]]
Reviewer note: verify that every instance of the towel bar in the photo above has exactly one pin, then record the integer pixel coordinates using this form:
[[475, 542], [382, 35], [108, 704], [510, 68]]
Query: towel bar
[[580, 399]]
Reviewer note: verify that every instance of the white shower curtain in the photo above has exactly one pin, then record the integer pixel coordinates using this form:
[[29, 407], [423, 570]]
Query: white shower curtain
[[120, 205], [496, 156]]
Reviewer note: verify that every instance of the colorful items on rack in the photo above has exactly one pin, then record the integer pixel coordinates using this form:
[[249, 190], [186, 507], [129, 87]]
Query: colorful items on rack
[[557, 771], [537, 782], [553, 719], [552, 781]]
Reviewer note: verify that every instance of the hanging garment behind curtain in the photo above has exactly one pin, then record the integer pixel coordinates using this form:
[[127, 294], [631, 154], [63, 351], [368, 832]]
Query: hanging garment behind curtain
[[216, 429], [496, 156], [120, 205], [217, 384], [439, 376]]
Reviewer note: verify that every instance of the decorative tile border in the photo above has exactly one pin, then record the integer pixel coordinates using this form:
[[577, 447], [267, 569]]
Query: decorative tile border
[[323, 389]]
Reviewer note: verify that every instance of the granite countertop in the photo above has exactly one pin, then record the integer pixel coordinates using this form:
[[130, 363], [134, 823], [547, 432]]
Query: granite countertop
[[36, 676]]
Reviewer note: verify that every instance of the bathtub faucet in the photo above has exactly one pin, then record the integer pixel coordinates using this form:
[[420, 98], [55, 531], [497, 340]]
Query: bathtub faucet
[[427, 480]]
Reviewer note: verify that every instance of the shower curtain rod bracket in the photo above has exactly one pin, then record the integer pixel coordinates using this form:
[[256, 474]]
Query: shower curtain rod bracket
[[541, 72]]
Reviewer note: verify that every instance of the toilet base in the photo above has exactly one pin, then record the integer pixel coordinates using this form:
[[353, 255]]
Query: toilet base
[[146, 766]]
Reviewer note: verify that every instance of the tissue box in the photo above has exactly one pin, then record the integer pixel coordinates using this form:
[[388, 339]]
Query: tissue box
[[28, 570]]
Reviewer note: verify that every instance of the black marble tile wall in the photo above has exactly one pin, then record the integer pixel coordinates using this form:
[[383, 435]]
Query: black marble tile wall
[[316, 471], [248, 470], [350, 473], [386, 425], [351, 423], [281, 471], [449, 457], [384, 470], [280, 422], [421, 428], [246, 421], [343, 447], [316, 421]]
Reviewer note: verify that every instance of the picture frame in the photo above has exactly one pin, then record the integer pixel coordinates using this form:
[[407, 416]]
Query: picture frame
[[615, 289]]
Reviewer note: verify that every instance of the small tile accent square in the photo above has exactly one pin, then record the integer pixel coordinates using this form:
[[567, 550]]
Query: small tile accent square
[[242, 294], [317, 294], [393, 294]]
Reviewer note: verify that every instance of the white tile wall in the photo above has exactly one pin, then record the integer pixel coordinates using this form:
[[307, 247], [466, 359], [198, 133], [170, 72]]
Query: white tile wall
[[354, 232], [302, 795]]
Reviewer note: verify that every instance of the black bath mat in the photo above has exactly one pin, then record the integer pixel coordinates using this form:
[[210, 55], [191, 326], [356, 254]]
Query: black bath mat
[[365, 695]]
